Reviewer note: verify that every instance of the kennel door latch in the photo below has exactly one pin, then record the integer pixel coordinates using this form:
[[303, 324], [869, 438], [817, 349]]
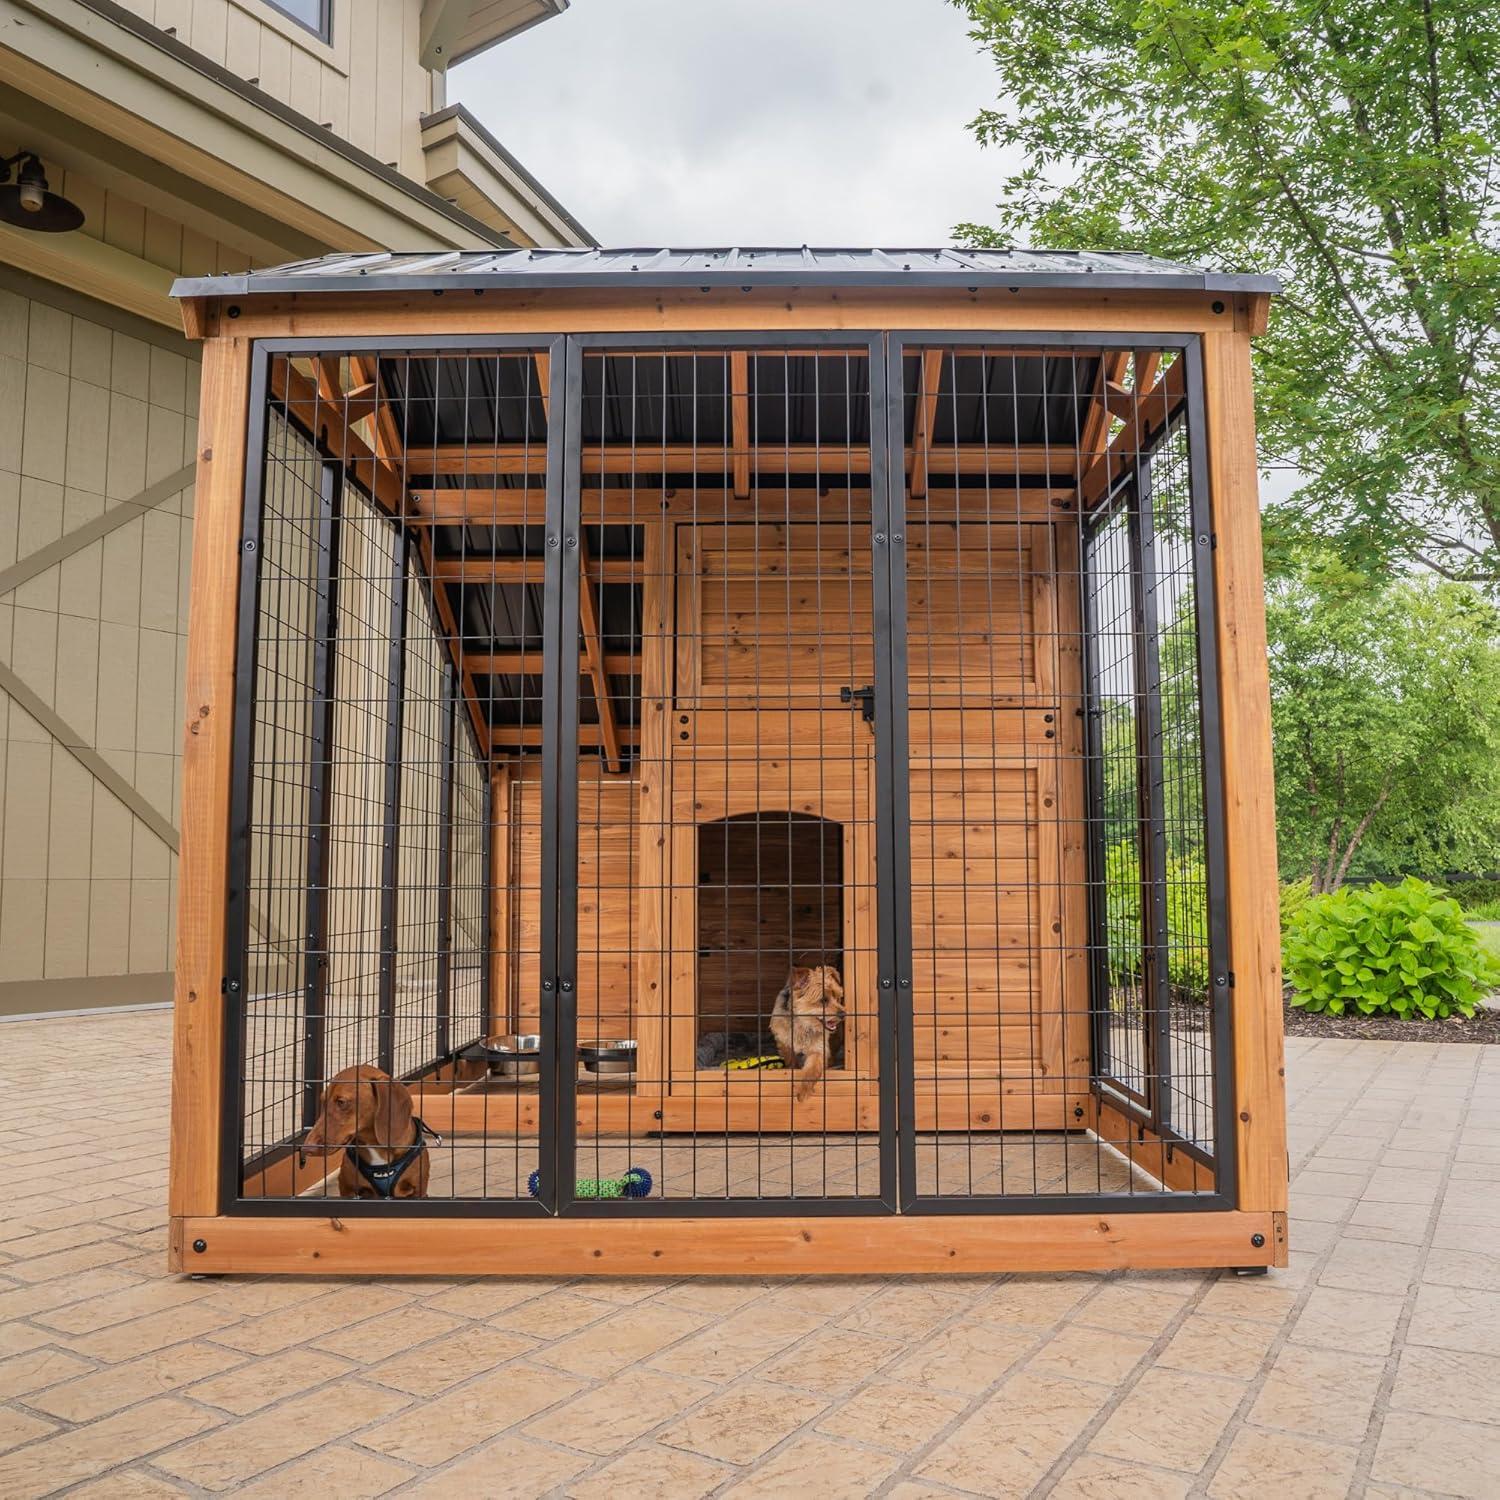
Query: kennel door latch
[[865, 697]]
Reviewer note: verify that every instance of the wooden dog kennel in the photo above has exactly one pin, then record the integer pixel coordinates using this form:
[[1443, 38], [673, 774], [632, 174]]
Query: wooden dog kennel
[[583, 641]]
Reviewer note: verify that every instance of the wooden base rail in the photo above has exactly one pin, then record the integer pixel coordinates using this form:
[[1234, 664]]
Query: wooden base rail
[[871, 1246]]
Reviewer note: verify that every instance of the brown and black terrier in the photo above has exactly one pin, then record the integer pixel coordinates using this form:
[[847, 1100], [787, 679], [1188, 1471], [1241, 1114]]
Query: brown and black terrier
[[807, 1013]]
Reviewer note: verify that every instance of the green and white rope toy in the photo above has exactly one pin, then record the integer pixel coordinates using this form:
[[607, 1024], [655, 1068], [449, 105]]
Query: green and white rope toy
[[635, 1182]]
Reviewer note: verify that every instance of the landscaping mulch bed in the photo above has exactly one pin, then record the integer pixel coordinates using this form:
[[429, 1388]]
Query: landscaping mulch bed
[[1482, 1026]]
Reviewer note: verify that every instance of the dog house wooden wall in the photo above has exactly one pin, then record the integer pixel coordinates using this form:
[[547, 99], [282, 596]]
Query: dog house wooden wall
[[581, 641]]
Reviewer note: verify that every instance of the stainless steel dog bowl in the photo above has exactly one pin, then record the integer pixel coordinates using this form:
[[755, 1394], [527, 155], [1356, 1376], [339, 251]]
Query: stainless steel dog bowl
[[607, 1056], [515, 1056]]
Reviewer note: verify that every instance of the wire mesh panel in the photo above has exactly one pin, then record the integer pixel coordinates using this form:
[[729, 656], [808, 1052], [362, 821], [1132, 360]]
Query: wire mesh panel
[[1123, 1007], [1183, 887], [1059, 956], [293, 588], [356, 698], [708, 774], [391, 625], [721, 989], [472, 897]]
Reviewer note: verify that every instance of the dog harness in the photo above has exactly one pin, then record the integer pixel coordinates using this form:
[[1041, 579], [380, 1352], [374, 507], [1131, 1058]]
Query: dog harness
[[384, 1179]]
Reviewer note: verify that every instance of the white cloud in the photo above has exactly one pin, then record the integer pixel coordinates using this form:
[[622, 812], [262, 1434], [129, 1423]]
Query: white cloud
[[698, 122]]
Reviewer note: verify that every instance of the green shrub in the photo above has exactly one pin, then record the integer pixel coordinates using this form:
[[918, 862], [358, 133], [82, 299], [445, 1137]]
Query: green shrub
[[1122, 892], [1187, 926], [1399, 950], [1295, 894], [1187, 919], [1479, 898]]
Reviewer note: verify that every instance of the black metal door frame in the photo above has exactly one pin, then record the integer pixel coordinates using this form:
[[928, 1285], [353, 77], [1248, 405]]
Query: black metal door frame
[[898, 769], [560, 782], [237, 905], [559, 812]]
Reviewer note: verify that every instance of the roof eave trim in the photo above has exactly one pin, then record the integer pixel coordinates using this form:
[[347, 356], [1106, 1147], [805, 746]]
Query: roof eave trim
[[311, 283]]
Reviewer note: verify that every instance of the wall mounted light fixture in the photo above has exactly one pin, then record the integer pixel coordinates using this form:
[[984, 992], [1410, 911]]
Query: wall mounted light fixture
[[28, 202]]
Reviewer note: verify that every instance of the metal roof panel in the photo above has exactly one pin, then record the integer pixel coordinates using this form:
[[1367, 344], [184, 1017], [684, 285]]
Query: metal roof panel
[[746, 266]]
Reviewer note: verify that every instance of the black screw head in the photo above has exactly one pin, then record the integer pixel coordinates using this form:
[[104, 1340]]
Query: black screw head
[[1218, 307], [199, 1246], [234, 312], [1257, 1240]]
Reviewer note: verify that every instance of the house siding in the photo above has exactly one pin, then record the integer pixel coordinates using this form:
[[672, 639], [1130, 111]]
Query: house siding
[[97, 423]]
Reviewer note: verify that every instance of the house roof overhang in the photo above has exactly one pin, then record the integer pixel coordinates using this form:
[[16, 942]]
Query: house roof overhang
[[124, 102], [454, 30]]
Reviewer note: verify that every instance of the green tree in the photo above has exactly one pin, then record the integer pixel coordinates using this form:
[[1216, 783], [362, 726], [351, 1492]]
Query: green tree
[[1347, 145], [1385, 701]]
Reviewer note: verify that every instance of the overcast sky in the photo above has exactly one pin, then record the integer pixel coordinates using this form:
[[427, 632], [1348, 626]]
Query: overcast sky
[[739, 122]]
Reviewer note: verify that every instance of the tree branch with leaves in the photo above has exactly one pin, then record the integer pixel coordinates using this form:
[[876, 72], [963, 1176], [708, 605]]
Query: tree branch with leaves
[[1349, 148]]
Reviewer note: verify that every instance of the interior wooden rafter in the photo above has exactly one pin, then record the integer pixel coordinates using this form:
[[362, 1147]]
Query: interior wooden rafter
[[358, 422]]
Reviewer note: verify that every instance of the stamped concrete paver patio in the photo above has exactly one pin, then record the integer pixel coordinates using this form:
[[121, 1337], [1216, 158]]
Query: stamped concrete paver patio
[[1371, 1366]]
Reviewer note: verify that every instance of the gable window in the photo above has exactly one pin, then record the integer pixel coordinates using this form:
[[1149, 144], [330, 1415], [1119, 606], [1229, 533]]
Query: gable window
[[316, 15]]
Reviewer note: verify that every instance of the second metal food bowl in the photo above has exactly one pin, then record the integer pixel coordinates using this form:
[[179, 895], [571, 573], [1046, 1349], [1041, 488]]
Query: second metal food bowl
[[607, 1056], [515, 1056]]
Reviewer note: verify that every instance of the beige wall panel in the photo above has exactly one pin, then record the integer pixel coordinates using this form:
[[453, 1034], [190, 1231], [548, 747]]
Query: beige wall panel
[[113, 837], [12, 427], [242, 43], [10, 518], [161, 541], [33, 648], [387, 80], [363, 98], [94, 414], [80, 585], [210, 29], [125, 472], [70, 819], [28, 793], [275, 65], [15, 315], [67, 938], [162, 242], [176, 16], [49, 338], [23, 915], [40, 521], [77, 696], [149, 925], [125, 225], [93, 351], [169, 379], [109, 927], [88, 428], [44, 433], [305, 89], [333, 101]]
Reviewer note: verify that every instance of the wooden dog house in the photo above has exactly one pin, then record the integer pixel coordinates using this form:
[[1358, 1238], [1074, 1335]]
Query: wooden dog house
[[583, 640]]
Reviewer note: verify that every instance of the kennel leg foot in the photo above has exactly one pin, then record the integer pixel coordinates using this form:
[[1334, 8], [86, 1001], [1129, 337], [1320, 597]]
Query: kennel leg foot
[[1250, 1270]]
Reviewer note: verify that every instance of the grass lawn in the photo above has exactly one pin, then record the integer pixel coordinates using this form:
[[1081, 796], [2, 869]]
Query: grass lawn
[[1489, 935]]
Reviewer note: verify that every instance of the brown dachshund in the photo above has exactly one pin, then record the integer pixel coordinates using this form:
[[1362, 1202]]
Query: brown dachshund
[[370, 1115]]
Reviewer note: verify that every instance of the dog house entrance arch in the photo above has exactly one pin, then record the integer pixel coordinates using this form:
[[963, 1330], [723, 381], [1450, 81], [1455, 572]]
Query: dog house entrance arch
[[590, 687]]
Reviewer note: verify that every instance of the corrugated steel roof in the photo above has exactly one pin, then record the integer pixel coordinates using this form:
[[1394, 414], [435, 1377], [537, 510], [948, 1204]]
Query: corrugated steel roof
[[742, 267]]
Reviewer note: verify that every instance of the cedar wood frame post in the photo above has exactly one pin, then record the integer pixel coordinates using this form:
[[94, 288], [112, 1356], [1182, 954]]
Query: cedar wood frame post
[[198, 1080], [1253, 1233]]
